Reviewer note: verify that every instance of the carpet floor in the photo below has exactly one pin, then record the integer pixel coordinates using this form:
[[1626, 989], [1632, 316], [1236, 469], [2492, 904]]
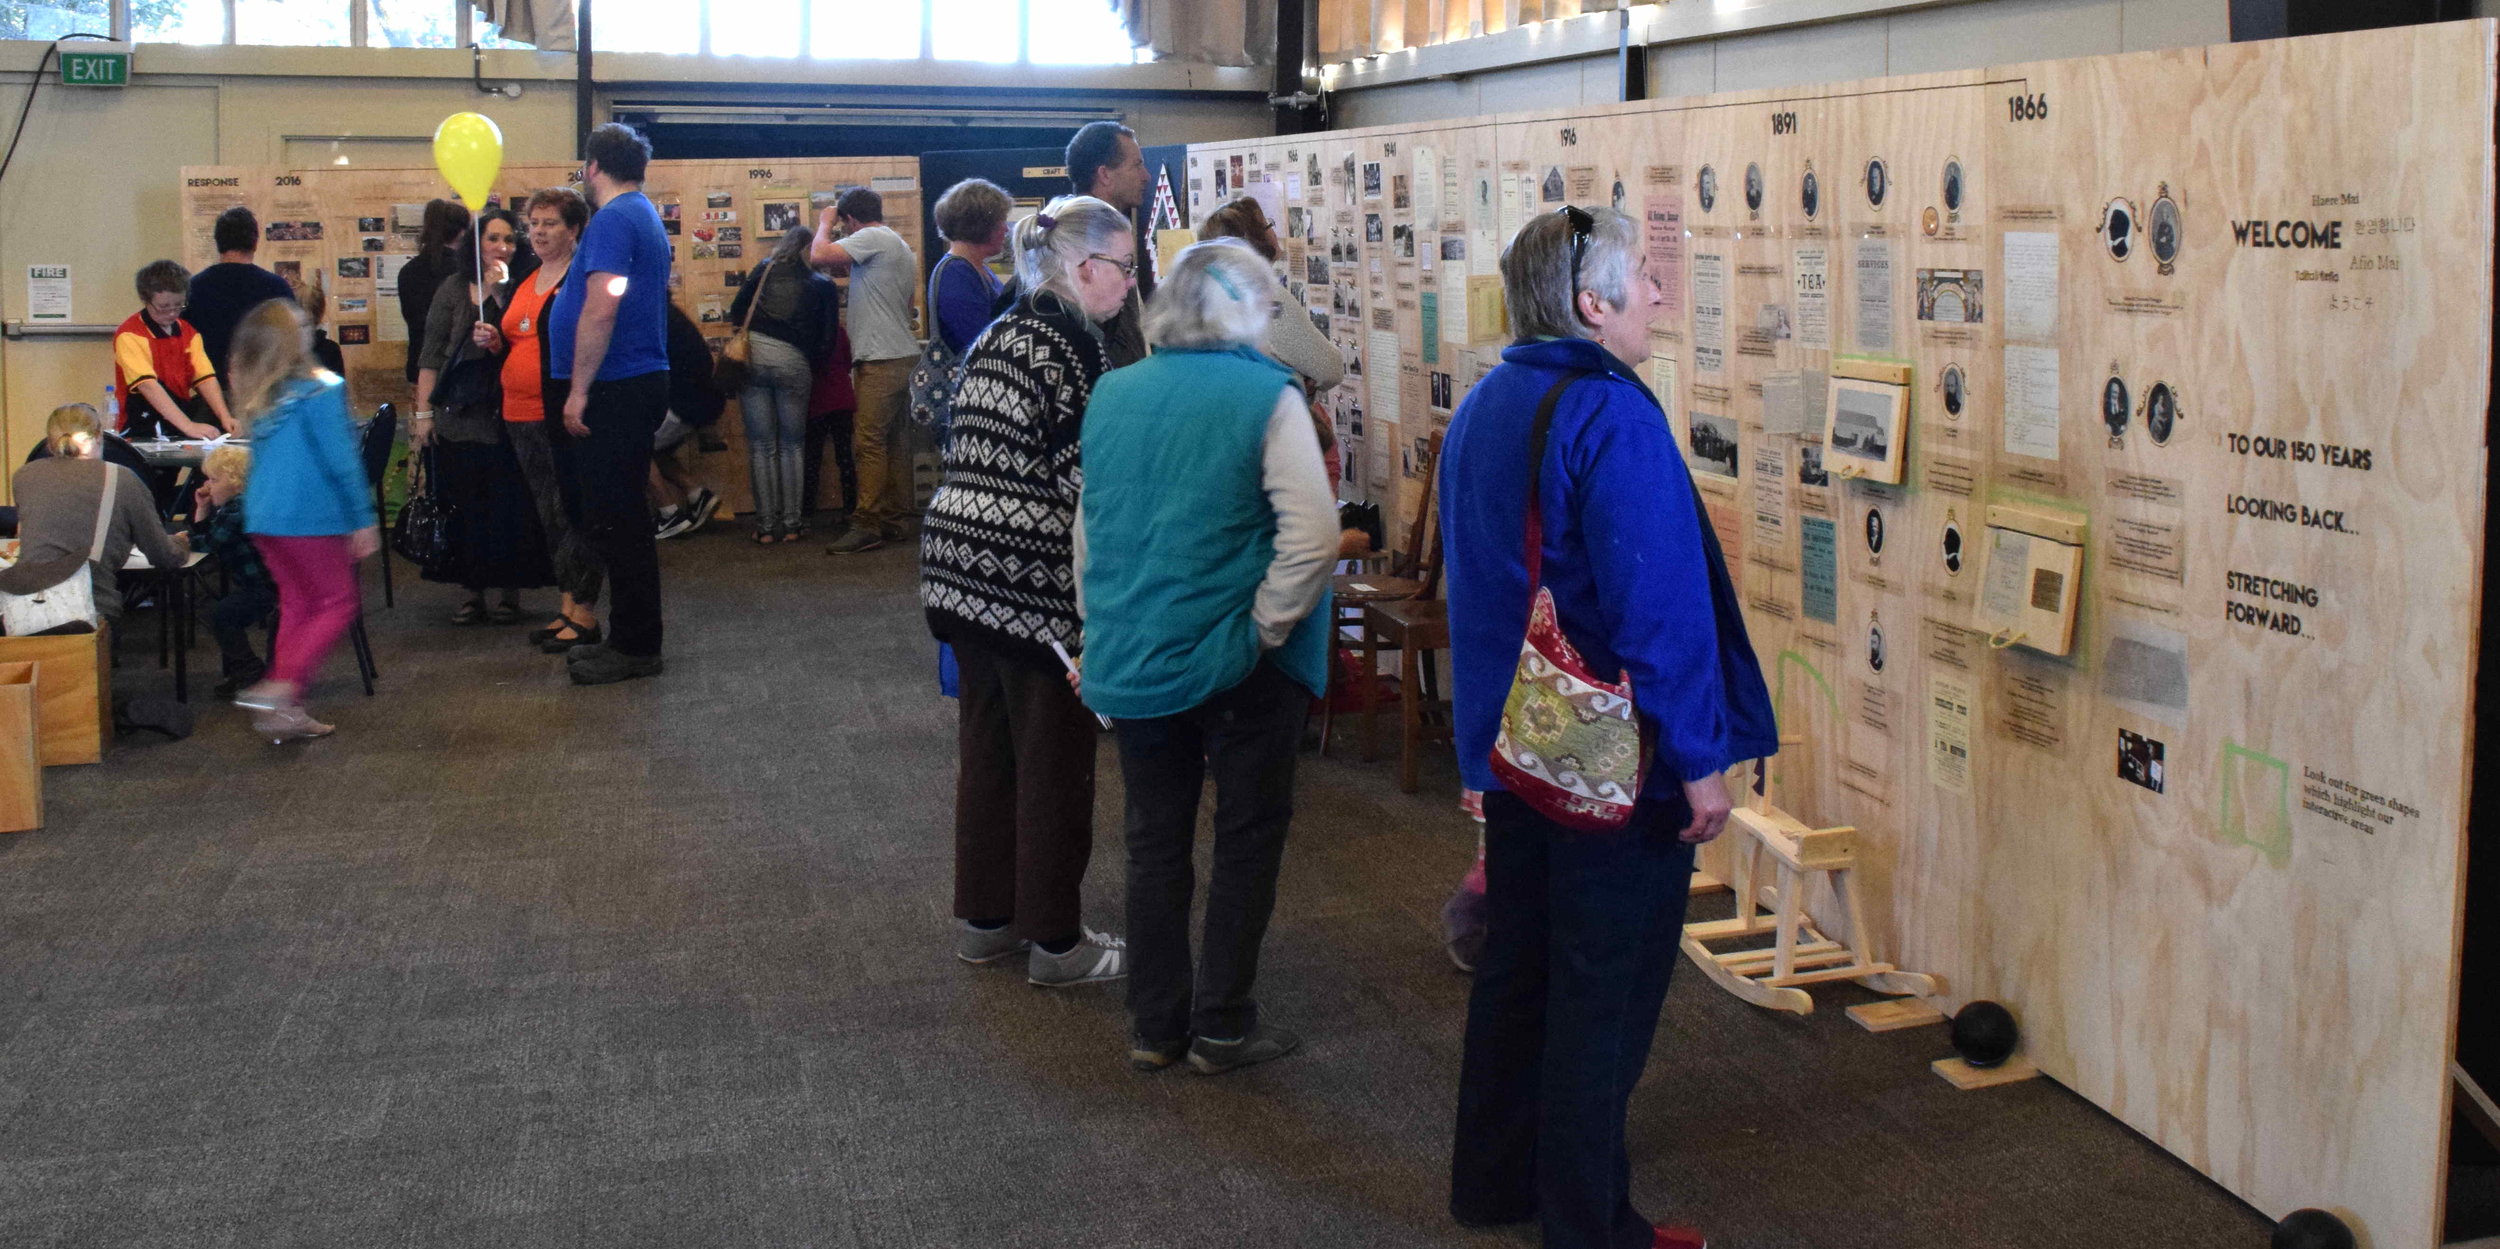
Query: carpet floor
[[508, 962]]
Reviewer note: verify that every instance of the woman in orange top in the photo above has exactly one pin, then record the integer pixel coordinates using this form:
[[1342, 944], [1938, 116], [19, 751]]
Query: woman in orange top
[[555, 221], [159, 366]]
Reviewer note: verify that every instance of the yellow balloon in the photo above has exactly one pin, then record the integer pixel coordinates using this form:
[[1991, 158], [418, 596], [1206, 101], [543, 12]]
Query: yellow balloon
[[468, 149]]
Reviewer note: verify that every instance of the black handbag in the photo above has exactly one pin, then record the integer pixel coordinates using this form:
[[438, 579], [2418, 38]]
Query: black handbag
[[472, 378], [422, 533], [469, 382]]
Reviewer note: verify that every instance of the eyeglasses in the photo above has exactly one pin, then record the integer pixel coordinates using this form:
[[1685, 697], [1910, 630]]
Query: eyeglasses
[[1582, 226], [1127, 268]]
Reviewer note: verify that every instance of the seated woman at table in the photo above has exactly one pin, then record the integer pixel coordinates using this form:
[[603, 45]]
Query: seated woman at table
[[117, 450], [63, 516], [160, 368], [217, 517]]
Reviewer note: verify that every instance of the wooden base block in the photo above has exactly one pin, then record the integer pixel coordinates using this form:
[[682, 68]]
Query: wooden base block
[[21, 766], [74, 718], [1892, 1016], [1704, 882], [1962, 1075]]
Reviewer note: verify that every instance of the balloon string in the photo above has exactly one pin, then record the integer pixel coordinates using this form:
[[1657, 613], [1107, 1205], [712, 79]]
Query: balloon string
[[477, 237]]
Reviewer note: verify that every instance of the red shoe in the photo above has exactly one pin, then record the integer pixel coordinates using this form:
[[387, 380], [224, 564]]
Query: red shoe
[[1679, 1236]]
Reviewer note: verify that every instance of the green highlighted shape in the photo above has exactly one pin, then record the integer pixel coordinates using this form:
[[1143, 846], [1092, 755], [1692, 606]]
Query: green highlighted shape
[[2257, 801]]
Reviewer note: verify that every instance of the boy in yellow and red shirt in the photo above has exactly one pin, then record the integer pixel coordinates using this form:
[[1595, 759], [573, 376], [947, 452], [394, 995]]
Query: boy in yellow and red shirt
[[160, 368]]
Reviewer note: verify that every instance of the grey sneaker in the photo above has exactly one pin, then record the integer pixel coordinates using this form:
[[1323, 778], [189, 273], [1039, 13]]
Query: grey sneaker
[[1266, 1041], [1145, 1055], [1096, 956], [855, 540], [987, 945]]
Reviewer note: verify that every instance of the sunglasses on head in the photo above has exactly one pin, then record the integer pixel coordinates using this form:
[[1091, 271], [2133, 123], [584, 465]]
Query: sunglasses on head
[[1582, 226]]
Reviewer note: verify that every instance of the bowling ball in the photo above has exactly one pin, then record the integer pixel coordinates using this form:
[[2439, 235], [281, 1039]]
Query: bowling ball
[[2312, 1229], [1984, 1034]]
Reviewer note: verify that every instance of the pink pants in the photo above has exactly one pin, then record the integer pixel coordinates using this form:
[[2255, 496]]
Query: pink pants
[[316, 601]]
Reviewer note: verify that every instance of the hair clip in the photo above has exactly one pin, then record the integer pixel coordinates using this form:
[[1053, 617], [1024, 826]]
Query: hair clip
[[1225, 280], [1048, 222]]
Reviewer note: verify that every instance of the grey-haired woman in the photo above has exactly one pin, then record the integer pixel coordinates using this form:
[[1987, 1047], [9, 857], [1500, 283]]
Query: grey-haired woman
[[997, 581], [1207, 535], [1580, 926]]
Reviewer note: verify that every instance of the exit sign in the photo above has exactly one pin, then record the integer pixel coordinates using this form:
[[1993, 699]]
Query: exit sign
[[96, 65]]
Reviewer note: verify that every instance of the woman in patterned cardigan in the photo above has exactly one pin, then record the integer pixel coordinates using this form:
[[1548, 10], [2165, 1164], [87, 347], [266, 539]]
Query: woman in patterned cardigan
[[998, 582]]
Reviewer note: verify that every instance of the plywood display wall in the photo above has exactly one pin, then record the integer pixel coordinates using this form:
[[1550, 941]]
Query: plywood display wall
[[356, 227], [2229, 307]]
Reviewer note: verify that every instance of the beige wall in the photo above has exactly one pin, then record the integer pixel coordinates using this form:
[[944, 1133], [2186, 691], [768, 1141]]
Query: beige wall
[[93, 184], [1952, 36]]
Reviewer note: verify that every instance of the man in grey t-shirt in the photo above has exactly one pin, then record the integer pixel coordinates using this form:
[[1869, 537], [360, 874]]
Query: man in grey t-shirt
[[853, 238]]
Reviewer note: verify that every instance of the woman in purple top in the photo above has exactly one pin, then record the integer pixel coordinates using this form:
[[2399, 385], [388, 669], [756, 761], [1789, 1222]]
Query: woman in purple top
[[972, 217]]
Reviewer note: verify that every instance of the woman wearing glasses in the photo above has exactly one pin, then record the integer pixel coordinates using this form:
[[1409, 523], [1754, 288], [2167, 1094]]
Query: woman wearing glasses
[[1582, 926], [160, 367], [997, 581]]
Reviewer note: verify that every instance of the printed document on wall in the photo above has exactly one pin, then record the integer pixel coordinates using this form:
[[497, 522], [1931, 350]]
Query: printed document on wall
[[2031, 401], [1709, 313], [1871, 282], [2030, 287], [1812, 277]]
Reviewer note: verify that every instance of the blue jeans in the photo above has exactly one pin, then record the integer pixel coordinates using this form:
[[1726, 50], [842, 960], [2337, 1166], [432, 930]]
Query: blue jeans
[[1581, 934], [775, 406]]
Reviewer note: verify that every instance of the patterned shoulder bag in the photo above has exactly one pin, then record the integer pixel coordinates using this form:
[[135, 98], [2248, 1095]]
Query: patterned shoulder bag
[[1571, 745]]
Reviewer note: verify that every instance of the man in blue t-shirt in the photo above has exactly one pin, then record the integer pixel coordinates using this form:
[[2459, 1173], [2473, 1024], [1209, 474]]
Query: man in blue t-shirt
[[607, 351]]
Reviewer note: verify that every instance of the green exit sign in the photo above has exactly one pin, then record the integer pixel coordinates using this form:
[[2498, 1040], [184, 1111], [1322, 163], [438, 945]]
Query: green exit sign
[[88, 68]]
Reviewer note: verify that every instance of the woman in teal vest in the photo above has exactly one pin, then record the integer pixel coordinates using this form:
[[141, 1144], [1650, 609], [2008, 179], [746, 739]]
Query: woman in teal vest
[[1205, 538]]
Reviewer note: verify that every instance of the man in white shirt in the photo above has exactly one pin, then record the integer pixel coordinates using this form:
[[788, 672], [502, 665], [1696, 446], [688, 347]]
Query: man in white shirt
[[852, 238]]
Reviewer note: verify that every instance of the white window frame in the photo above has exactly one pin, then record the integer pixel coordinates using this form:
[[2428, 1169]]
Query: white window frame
[[360, 23]]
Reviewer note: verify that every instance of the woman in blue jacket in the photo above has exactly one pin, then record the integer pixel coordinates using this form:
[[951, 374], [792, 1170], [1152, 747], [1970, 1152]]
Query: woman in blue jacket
[[1582, 926], [312, 507]]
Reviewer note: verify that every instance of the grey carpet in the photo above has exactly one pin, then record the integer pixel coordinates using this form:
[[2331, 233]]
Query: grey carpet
[[508, 962]]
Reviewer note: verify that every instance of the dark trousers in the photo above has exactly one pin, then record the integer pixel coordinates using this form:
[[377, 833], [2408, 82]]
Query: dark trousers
[[833, 427], [1245, 737], [539, 447], [1024, 792], [232, 620], [1582, 931], [612, 466]]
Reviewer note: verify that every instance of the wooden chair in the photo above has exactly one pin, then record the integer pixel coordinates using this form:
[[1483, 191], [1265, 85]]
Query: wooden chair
[[1415, 628], [1412, 573]]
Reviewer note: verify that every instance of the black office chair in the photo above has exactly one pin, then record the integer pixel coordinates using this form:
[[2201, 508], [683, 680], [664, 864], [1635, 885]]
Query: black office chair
[[376, 452]]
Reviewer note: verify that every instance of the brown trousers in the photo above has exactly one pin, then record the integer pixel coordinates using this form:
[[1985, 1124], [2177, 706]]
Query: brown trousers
[[1024, 793], [884, 388]]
